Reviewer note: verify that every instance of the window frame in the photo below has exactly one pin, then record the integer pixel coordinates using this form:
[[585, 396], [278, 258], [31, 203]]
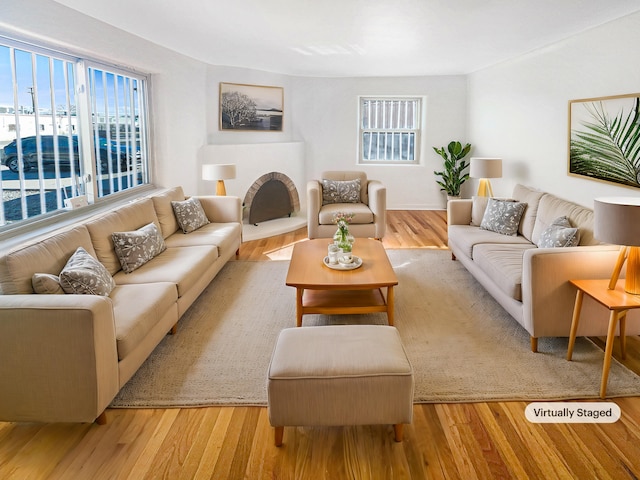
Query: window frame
[[417, 131], [83, 134]]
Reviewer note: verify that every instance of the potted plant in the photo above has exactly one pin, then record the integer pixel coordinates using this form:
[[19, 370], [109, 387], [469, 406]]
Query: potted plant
[[453, 174]]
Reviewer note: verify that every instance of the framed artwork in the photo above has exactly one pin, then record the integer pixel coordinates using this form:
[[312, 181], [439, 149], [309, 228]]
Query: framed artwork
[[604, 139], [251, 107]]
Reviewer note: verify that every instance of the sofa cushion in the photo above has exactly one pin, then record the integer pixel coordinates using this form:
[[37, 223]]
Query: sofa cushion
[[552, 207], [189, 214], [362, 214], [46, 284], [340, 191], [559, 234], [164, 210], [137, 309], [502, 263], [126, 218], [183, 266], [49, 255], [136, 248], [465, 237], [85, 275], [223, 235], [502, 216], [532, 198]]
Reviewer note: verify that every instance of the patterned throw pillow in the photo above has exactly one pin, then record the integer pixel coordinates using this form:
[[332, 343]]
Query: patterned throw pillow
[[190, 214], [84, 274], [340, 191], [136, 248], [45, 283], [503, 216], [559, 234]]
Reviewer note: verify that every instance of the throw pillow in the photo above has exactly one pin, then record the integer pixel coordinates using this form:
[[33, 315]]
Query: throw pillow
[[45, 283], [84, 274], [478, 208], [340, 191], [503, 216], [136, 248], [189, 214], [559, 234]]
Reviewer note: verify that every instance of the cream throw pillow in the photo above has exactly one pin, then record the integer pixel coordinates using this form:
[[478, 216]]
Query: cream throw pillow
[[45, 283]]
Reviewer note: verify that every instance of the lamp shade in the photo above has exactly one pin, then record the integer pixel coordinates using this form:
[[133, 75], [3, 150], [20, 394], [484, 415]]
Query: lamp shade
[[214, 171], [485, 167], [617, 220]]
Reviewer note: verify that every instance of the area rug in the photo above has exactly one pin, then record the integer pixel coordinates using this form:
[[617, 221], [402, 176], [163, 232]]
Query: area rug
[[463, 346]]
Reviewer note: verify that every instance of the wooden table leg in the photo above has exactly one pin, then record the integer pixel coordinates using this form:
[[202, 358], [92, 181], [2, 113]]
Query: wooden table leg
[[611, 335], [574, 323], [299, 294], [623, 336], [390, 304]]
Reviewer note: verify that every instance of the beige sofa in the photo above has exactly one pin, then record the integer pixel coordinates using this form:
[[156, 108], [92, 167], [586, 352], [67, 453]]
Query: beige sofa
[[63, 358], [532, 283]]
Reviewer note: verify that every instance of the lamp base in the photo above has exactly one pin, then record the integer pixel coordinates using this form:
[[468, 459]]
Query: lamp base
[[220, 189], [484, 188], [632, 278]]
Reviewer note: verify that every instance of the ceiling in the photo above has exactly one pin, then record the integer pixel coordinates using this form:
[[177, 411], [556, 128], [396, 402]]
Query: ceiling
[[355, 37]]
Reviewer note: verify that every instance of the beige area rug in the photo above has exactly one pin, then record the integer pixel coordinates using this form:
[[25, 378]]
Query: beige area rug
[[463, 346]]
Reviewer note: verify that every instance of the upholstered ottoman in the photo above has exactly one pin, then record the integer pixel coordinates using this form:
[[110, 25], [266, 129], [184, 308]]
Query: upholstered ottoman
[[339, 375]]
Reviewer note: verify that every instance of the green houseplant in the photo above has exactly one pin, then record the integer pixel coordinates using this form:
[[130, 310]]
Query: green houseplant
[[453, 174]]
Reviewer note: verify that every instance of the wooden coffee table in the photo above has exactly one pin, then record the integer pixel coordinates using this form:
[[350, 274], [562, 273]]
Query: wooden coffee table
[[320, 289]]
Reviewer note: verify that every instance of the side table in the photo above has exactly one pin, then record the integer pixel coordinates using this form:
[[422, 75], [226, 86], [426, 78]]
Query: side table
[[618, 302]]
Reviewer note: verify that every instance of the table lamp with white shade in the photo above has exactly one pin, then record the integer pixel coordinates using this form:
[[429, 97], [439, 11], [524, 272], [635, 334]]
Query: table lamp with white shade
[[484, 169], [617, 221], [219, 172]]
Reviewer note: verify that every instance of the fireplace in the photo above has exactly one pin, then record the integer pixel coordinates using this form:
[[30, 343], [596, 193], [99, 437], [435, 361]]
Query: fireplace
[[273, 195]]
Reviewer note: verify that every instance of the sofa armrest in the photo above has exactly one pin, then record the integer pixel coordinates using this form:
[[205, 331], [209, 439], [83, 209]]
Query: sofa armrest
[[314, 202], [58, 358], [378, 204], [377, 198], [459, 211], [221, 209], [547, 296]]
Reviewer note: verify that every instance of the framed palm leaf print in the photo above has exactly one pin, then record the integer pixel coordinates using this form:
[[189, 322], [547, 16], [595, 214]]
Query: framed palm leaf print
[[604, 139]]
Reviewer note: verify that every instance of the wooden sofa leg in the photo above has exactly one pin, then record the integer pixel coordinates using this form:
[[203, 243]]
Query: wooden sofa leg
[[534, 344], [397, 430], [174, 329], [102, 418], [279, 434], [453, 257]]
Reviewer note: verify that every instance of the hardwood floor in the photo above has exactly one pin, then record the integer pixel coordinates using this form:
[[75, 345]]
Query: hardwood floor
[[448, 441]]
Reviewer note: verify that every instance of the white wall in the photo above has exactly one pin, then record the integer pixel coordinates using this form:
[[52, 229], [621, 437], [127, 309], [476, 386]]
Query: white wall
[[178, 97], [518, 110], [325, 113]]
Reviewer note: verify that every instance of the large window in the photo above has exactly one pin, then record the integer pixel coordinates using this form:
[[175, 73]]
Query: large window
[[389, 129], [69, 127]]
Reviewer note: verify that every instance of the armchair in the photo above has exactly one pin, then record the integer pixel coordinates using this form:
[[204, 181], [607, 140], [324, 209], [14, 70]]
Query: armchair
[[370, 209]]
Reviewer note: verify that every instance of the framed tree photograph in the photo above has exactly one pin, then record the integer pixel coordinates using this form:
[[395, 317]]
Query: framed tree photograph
[[251, 107], [604, 139]]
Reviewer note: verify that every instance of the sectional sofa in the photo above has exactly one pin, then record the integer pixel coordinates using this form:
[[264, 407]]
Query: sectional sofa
[[528, 272], [64, 356]]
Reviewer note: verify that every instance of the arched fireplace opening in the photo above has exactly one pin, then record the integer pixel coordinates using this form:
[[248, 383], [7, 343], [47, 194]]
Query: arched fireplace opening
[[273, 195]]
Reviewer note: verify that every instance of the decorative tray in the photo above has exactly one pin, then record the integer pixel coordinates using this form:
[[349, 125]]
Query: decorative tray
[[357, 262]]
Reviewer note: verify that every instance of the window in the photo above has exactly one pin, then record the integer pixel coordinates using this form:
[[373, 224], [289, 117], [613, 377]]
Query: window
[[68, 127], [389, 129]]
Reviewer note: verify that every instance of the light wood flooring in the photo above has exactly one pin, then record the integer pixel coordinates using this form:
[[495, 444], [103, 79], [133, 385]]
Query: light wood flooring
[[445, 441]]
